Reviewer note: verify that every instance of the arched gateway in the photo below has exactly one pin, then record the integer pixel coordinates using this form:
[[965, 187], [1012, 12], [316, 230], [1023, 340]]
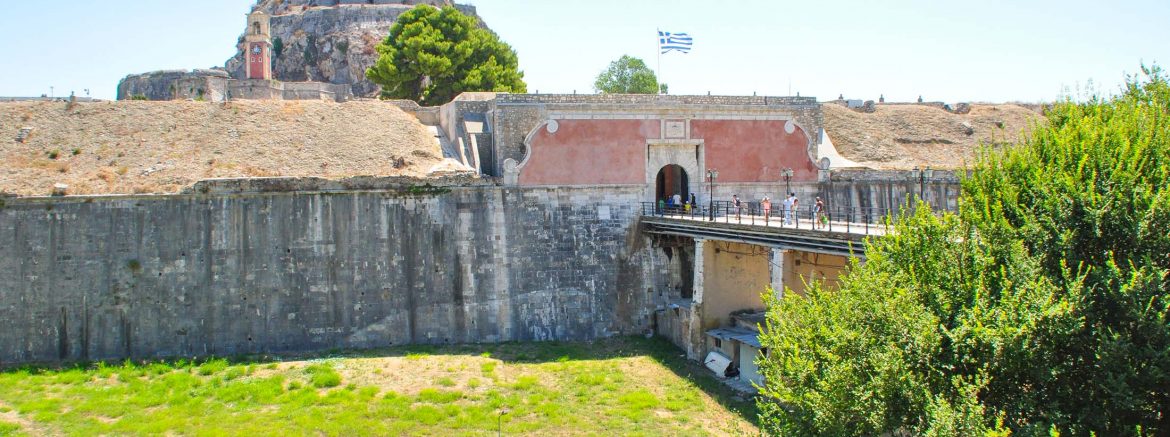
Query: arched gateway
[[671, 180]]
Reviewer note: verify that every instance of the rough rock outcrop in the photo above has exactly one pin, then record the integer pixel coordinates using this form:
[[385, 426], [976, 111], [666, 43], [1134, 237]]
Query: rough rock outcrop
[[329, 40]]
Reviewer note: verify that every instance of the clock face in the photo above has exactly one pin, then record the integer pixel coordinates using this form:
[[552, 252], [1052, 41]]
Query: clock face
[[256, 49]]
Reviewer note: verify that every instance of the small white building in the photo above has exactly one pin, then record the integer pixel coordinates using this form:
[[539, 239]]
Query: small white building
[[733, 354]]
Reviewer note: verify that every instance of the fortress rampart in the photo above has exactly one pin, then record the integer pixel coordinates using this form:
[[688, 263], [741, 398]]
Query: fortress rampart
[[235, 271]]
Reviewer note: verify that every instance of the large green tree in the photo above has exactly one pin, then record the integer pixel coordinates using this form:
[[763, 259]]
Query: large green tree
[[432, 55], [1043, 305], [627, 75]]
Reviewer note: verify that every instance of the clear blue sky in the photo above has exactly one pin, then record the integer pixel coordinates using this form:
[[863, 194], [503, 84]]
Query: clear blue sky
[[944, 50]]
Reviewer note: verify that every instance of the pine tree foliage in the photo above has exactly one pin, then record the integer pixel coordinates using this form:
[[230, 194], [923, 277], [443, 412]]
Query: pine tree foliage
[[1043, 306], [432, 55]]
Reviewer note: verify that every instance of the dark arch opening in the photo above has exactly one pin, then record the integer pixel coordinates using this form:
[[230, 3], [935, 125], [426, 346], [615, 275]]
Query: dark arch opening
[[671, 180]]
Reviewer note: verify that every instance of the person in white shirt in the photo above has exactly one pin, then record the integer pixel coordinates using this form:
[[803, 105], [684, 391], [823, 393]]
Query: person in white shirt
[[789, 208]]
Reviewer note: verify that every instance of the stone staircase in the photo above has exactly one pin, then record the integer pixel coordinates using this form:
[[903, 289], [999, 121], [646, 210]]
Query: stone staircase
[[23, 134]]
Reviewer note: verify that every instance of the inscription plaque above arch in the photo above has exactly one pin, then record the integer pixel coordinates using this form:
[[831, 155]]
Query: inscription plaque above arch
[[674, 129]]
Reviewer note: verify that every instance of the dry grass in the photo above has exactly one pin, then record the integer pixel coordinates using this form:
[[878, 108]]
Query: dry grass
[[162, 147], [904, 136]]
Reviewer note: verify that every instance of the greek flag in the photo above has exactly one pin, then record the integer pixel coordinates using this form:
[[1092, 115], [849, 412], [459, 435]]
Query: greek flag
[[674, 41]]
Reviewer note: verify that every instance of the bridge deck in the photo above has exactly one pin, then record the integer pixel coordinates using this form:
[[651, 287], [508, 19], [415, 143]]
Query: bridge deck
[[835, 237]]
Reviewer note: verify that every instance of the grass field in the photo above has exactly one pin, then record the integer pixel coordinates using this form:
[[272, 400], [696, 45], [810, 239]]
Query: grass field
[[625, 386]]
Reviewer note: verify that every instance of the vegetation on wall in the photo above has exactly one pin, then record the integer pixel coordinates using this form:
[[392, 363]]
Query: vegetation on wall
[[1043, 306], [433, 55], [277, 50], [310, 51]]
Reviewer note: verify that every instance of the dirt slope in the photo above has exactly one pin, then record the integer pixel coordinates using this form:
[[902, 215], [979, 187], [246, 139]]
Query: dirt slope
[[161, 147], [903, 136]]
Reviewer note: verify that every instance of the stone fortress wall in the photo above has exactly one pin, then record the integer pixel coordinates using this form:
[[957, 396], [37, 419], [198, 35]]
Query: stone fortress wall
[[226, 269], [217, 86], [279, 265], [207, 84]]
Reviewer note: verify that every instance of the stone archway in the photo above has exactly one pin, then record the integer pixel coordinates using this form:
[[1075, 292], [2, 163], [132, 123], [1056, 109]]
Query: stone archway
[[685, 155], [672, 179]]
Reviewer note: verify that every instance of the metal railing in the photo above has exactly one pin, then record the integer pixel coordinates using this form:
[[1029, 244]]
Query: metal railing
[[859, 220]]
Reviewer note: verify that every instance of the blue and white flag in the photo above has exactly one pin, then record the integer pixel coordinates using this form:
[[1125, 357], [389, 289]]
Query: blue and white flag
[[674, 41]]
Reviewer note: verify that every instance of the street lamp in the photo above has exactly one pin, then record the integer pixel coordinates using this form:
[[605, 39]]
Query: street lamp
[[922, 176], [828, 202], [712, 174], [787, 173], [500, 421]]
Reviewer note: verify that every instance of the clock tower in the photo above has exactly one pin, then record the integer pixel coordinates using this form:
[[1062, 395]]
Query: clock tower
[[258, 47]]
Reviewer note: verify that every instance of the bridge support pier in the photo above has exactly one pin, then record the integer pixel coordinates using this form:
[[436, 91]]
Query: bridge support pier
[[695, 346], [776, 263], [697, 298]]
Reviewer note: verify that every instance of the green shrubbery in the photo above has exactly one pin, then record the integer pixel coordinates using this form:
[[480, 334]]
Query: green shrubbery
[[323, 376], [1041, 306]]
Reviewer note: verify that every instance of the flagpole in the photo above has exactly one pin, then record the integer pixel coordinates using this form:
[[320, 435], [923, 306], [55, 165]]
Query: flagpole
[[658, 49]]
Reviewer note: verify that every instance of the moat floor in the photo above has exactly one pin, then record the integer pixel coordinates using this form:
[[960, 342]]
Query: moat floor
[[624, 386]]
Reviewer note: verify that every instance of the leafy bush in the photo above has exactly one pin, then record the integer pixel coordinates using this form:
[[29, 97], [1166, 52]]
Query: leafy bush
[[1043, 306], [627, 75]]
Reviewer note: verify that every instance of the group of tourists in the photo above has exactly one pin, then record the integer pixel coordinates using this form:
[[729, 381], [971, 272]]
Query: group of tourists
[[791, 208], [675, 203]]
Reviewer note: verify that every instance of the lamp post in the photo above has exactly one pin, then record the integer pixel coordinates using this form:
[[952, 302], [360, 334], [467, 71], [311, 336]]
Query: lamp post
[[787, 173], [828, 202], [500, 421], [712, 174], [922, 176]]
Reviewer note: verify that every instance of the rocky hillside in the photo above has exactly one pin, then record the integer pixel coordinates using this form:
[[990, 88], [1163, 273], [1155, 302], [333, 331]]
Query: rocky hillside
[[329, 40], [904, 136], [162, 147]]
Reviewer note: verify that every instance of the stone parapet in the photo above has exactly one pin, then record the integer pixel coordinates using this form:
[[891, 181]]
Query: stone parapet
[[652, 99], [260, 89]]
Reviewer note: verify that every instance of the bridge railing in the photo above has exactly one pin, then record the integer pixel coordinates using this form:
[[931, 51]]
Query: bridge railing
[[860, 220]]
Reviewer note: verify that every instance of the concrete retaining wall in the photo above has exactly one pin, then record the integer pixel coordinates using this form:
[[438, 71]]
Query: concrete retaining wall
[[258, 272]]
